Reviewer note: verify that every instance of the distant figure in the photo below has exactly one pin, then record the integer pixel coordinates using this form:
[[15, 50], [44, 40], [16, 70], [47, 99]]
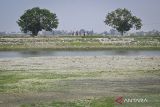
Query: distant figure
[[76, 33], [73, 33], [84, 33], [87, 32]]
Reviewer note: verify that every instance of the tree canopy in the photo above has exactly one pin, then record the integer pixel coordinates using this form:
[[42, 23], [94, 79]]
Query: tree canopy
[[122, 20], [36, 19]]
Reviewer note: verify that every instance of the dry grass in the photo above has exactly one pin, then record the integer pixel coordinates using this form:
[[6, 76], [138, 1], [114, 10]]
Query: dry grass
[[20, 43]]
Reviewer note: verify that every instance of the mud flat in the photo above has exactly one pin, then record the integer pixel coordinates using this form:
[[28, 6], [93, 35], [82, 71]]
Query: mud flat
[[45, 79]]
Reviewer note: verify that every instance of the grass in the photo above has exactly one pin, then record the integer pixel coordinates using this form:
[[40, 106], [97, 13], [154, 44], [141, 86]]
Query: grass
[[39, 81], [101, 102], [79, 81], [21, 81], [152, 101], [88, 42]]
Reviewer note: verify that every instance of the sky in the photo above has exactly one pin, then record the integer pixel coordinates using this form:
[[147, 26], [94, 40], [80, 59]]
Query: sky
[[80, 14]]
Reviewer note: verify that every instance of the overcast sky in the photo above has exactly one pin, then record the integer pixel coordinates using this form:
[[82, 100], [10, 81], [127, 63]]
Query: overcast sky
[[78, 14]]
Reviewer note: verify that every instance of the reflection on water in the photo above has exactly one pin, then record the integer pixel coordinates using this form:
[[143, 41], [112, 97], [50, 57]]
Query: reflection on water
[[130, 52], [37, 53]]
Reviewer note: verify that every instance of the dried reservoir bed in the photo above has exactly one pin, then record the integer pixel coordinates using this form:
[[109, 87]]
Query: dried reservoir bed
[[31, 80]]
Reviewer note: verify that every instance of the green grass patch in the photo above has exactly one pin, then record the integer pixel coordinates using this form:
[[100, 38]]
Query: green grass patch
[[25, 81], [102, 102], [152, 101]]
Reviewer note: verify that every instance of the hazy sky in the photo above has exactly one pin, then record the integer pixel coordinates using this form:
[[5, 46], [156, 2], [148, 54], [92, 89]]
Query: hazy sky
[[77, 14]]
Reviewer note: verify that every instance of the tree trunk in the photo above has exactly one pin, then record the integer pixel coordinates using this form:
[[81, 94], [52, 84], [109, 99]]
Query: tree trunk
[[122, 33], [34, 32]]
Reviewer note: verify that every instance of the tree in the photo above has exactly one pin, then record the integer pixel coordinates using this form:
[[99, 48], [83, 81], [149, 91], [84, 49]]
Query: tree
[[82, 32], [36, 19], [122, 20]]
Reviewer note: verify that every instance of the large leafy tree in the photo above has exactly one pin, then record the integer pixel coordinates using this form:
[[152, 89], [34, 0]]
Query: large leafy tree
[[36, 19], [122, 20]]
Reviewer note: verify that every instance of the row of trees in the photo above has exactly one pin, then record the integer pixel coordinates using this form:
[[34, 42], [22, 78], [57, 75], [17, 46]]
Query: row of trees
[[81, 32], [90, 33], [139, 33], [36, 19]]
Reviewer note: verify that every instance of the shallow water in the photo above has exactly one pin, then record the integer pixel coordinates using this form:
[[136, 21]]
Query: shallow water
[[38, 53]]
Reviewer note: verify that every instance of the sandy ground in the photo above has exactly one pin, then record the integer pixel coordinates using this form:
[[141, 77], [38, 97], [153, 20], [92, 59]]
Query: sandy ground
[[115, 75]]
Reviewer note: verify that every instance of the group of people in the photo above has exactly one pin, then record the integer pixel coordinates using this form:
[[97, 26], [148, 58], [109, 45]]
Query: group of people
[[81, 33]]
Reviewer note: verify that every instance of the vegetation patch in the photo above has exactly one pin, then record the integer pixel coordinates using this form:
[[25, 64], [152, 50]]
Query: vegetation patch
[[101, 102], [90, 42]]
